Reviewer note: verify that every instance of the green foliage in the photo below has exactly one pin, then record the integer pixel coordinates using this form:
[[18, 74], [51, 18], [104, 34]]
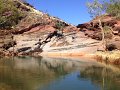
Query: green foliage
[[95, 8], [113, 8], [98, 7], [59, 25], [9, 14]]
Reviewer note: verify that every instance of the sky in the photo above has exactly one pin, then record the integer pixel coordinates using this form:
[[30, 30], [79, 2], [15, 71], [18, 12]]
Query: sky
[[71, 11]]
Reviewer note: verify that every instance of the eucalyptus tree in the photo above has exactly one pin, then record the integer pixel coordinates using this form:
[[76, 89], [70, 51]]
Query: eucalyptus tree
[[96, 9]]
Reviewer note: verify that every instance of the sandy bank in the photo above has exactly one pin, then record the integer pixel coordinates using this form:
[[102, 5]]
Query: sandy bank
[[69, 54]]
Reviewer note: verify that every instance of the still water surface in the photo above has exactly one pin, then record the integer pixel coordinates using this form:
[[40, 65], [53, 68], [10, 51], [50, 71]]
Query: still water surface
[[37, 73]]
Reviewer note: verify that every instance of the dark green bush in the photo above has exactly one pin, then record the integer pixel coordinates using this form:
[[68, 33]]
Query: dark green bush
[[9, 14], [60, 25], [113, 8]]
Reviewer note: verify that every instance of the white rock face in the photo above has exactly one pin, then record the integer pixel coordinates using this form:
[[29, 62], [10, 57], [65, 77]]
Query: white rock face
[[27, 43]]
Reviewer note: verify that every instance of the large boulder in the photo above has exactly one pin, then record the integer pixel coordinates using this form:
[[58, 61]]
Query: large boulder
[[111, 47], [114, 44]]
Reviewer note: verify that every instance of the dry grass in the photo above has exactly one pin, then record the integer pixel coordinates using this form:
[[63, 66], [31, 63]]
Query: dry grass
[[112, 57]]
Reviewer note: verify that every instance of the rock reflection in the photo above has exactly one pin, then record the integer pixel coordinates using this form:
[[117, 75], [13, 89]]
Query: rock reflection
[[106, 78], [29, 73]]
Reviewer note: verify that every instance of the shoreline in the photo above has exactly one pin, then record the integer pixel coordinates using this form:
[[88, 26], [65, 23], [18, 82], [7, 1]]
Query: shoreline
[[68, 54], [105, 57], [108, 57]]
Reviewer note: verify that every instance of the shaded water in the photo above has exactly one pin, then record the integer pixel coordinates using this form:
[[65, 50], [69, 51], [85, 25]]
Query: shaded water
[[37, 73]]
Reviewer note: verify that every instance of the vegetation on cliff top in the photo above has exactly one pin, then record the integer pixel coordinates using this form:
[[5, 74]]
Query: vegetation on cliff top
[[9, 14]]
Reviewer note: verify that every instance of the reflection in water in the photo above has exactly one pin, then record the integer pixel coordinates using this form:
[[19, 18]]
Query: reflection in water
[[37, 73], [103, 76]]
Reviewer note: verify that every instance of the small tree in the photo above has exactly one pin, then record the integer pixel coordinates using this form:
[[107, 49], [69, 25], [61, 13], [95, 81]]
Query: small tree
[[60, 25], [95, 9]]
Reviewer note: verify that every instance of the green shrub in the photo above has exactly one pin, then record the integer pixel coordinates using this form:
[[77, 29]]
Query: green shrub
[[60, 25], [9, 14], [113, 8]]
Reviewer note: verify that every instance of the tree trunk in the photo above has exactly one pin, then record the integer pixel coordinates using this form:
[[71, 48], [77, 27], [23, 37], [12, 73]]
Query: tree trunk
[[103, 35]]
